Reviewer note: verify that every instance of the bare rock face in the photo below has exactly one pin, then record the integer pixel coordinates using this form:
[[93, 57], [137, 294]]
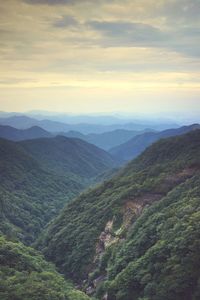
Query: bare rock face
[[106, 238]]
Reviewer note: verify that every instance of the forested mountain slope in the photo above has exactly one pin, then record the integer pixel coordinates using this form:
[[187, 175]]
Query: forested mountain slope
[[29, 195], [14, 134], [70, 156], [139, 143], [160, 259], [37, 177], [137, 235], [25, 275]]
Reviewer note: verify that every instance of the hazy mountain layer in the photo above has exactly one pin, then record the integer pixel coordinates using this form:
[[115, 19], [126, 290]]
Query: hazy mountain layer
[[108, 139], [14, 134], [105, 140], [139, 143], [24, 122]]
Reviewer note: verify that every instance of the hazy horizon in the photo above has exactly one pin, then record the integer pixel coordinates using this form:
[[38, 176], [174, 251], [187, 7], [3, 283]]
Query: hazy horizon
[[103, 117]]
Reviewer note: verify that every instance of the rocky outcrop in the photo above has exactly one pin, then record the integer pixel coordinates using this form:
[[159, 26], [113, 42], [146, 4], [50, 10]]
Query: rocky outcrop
[[131, 210]]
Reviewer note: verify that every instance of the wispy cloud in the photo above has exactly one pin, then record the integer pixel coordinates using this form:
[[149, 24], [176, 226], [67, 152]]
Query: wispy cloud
[[129, 33], [66, 21], [50, 2]]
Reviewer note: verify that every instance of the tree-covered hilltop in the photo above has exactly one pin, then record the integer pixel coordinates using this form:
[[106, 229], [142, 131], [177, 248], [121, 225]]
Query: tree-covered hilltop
[[25, 275], [34, 185], [131, 231], [70, 157]]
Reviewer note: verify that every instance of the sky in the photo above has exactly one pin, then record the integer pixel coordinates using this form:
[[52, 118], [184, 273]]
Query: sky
[[86, 56]]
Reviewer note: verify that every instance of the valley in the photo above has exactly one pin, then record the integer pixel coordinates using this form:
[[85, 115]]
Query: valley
[[102, 222], [99, 150]]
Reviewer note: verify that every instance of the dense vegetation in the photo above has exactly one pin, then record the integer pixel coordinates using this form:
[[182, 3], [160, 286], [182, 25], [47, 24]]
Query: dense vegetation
[[163, 182], [160, 258], [29, 195], [139, 143], [24, 275], [136, 236], [34, 189], [69, 156]]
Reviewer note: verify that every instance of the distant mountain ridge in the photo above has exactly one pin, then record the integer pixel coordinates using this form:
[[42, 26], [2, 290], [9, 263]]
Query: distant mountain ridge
[[106, 140], [139, 143], [24, 122], [15, 134], [101, 119]]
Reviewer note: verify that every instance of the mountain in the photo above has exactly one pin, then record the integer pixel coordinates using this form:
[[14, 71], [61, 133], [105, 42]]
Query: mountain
[[30, 195], [69, 156], [136, 236], [24, 122], [156, 122], [26, 275], [18, 121], [111, 139], [74, 134], [139, 143], [37, 177], [14, 134], [106, 140]]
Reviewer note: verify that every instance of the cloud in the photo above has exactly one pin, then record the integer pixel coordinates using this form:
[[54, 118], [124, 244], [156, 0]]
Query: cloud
[[180, 10], [64, 2], [66, 21], [128, 33], [181, 39], [51, 2]]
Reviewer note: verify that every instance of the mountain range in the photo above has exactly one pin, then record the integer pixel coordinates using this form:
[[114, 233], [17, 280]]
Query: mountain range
[[139, 143], [105, 140], [159, 123], [136, 236], [14, 134], [133, 233], [39, 176], [24, 122]]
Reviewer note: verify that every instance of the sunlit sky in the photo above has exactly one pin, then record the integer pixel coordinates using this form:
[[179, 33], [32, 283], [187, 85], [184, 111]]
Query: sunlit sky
[[139, 56]]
